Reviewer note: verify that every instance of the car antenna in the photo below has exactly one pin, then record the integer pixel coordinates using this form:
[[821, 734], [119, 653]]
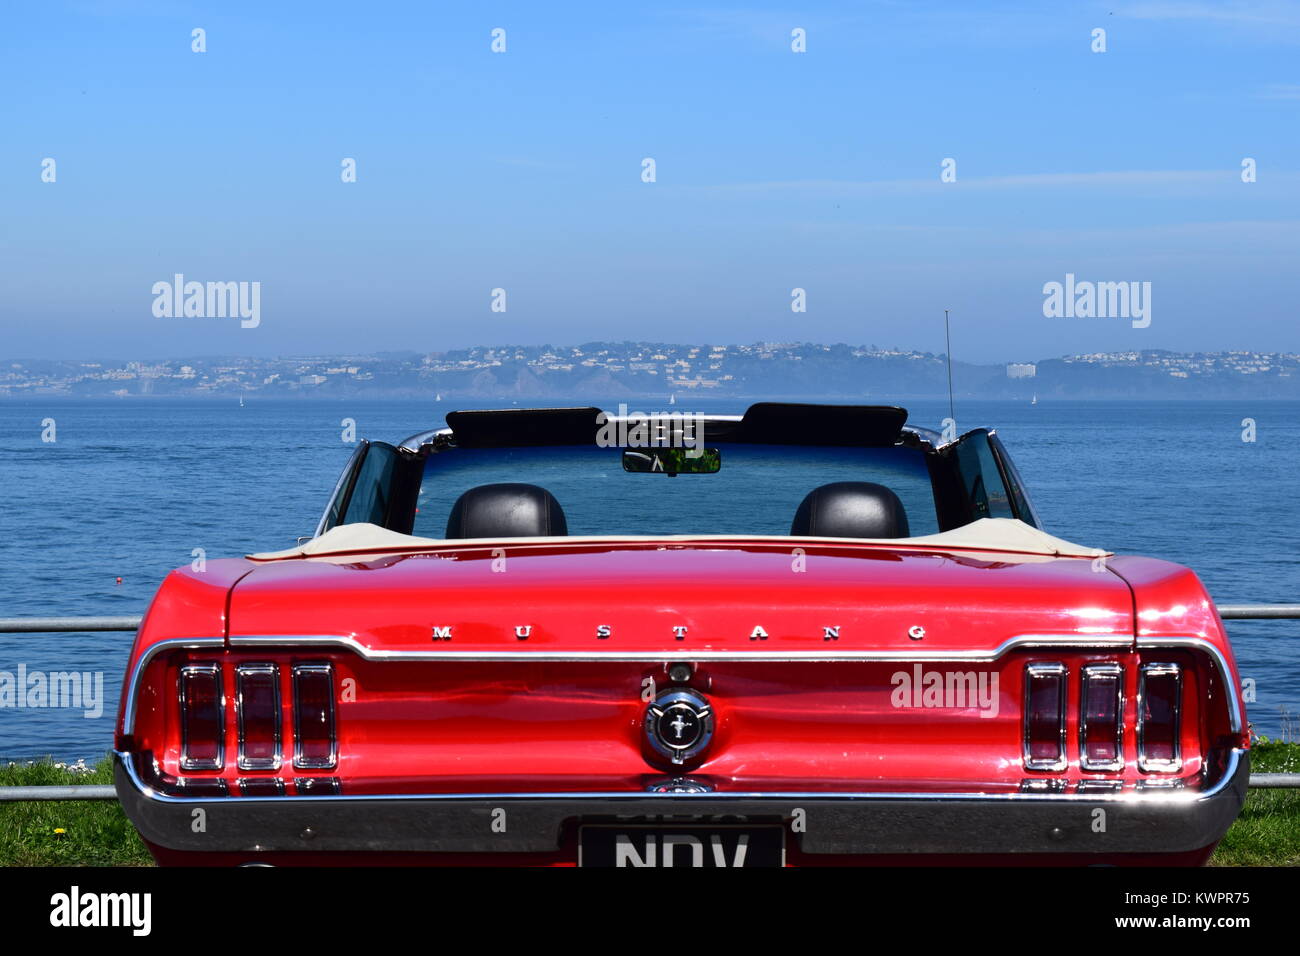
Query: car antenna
[[952, 414]]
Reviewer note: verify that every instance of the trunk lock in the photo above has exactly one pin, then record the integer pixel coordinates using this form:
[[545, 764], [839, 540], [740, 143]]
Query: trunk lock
[[679, 725]]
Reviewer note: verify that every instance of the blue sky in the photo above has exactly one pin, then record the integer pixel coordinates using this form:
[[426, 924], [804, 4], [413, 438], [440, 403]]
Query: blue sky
[[522, 170]]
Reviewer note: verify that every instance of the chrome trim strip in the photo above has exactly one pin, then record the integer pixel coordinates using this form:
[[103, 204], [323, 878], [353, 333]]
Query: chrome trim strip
[[417, 441], [1034, 671], [1081, 642], [275, 783], [305, 786], [1231, 687], [1099, 786], [299, 761], [678, 653], [928, 435], [1147, 764], [137, 673], [1024, 640], [1101, 670], [1177, 796], [189, 671], [259, 763]]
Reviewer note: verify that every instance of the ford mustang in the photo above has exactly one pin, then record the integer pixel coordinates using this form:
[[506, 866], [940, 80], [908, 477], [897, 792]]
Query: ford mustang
[[808, 634]]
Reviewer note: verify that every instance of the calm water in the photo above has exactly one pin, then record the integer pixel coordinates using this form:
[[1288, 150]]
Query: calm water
[[130, 488]]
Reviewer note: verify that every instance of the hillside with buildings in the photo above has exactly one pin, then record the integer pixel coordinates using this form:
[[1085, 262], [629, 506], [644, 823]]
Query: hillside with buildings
[[610, 370]]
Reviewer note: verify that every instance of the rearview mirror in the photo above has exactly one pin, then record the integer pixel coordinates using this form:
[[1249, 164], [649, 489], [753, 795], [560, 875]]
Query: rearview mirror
[[673, 461]]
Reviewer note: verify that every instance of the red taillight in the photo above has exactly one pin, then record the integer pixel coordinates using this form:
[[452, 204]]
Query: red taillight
[[315, 742], [203, 725], [1159, 709], [1101, 718], [257, 688], [1044, 727]]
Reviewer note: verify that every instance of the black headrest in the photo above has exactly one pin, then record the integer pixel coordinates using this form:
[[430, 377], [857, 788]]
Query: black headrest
[[506, 511], [851, 509]]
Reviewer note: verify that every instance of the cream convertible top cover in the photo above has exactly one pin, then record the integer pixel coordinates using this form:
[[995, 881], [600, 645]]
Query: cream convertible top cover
[[986, 534]]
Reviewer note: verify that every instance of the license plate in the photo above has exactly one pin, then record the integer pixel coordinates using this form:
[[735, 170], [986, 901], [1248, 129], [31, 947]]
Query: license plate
[[690, 846]]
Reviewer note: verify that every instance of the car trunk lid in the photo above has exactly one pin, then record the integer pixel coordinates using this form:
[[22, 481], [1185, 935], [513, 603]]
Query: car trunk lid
[[708, 597]]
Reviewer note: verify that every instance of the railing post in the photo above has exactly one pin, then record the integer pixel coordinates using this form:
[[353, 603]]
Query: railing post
[[1259, 612], [53, 625]]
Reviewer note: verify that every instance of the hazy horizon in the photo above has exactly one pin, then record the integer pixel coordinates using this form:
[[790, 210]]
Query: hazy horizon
[[958, 358]]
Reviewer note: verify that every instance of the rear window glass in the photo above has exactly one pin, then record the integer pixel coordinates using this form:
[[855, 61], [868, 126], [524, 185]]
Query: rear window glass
[[756, 491]]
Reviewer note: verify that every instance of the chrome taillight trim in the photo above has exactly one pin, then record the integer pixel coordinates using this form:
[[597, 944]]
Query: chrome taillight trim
[[1099, 786], [317, 786], [243, 761], [1101, 670], [187, 672], [1061, 673], [1020, 642], [261, 786], [299, 761], [1153, 765]]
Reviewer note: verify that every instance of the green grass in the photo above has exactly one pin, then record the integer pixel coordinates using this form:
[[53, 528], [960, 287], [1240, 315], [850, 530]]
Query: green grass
[[1268, 831], [65, 832], [97, 833]]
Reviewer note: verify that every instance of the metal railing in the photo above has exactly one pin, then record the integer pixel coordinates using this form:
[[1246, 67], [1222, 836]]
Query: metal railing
[[54, 625], [1259, 612], [72, 792]]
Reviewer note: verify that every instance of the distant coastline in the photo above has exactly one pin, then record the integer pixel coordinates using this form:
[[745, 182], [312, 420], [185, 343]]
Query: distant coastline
[[656, 371]]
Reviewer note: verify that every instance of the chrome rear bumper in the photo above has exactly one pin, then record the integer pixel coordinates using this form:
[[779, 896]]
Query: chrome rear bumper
[[845, 824]]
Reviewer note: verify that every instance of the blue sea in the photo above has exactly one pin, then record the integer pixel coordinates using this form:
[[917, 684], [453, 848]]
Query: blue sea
[[131, 487]]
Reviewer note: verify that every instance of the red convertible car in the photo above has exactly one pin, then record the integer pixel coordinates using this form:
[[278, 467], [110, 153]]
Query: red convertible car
[[808, 634]]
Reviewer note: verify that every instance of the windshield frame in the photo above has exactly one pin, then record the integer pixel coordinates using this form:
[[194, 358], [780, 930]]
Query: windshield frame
[[952, 506]]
